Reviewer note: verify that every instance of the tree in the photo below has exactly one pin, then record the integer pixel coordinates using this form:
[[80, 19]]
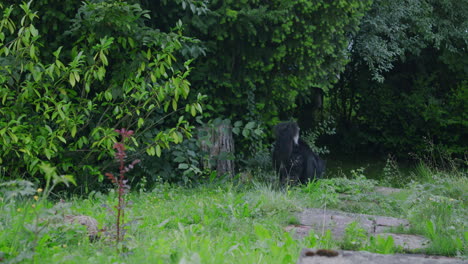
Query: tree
[[261, 55], [403, 87]]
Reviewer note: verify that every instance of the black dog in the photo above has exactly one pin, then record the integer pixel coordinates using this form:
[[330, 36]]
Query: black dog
[[292, 157]]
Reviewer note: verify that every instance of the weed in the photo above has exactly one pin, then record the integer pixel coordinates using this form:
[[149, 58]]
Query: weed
[[355, 237], [120, 183], [380, 244], [311, 240], [392, 174], [357, 183], [438, 157], [326, 241]]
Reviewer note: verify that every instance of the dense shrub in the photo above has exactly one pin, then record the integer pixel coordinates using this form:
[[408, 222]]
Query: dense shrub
[[57, 115]]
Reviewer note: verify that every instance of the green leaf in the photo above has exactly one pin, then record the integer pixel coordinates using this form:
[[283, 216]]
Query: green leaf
[[72, 79], [250, 125], [65, 179], [13, 137], [148, 54], [48, 170], [103, 58], [261, 232], [151, 151], [77, 76], [108, 95], [48, 153], [32, 51], [199, 108], [34, 31], [57, 52], [158, 151], [183, 166], [141, 121], [73, 131], [193, 111]]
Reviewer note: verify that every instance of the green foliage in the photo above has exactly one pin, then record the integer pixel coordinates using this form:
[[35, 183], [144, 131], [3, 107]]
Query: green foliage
[[403, 87], [357, 183], [264, 54], [271, 202], [323, 128], [355, 237], [429, 112], [57, 118], [16, 189], [391, 30], [320, 194], [381, 245], [392, 174], [326, 241]]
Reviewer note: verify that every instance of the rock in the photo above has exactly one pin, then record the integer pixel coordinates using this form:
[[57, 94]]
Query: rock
[[300, 231], [320, 256], [406, 241], [90, 223], [387, 190], [321, 220]]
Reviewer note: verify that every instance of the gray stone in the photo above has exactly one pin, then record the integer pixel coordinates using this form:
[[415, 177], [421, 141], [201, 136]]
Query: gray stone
[[321, 220], [390, 221], [387, 190], [406, 241], [314, 256], [300, 231]]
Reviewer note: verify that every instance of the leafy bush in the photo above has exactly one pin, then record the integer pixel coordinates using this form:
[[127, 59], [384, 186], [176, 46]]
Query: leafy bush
[[57, 117]]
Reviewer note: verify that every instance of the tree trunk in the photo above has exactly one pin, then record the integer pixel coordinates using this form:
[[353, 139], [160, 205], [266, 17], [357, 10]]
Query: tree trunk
[[219, 144]]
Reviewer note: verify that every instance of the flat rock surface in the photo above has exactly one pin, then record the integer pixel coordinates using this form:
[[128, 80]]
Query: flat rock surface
[[387, 190], [312, 256], [321, 220]]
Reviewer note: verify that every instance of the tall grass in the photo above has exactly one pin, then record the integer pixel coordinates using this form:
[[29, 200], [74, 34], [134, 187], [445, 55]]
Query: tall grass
[[438, 209]]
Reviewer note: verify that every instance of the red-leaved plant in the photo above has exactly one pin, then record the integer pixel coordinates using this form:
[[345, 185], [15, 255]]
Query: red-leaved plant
[[121, 183]]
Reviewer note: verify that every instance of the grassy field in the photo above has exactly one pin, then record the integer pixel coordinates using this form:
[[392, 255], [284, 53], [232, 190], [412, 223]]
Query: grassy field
[[226, 223]]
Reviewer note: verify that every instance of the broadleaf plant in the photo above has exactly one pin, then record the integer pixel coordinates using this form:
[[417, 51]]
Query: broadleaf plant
[[58, 113]]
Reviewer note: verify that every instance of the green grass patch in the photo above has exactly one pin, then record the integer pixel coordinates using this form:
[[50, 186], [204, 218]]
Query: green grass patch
[[172, 225], [228, 223]]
